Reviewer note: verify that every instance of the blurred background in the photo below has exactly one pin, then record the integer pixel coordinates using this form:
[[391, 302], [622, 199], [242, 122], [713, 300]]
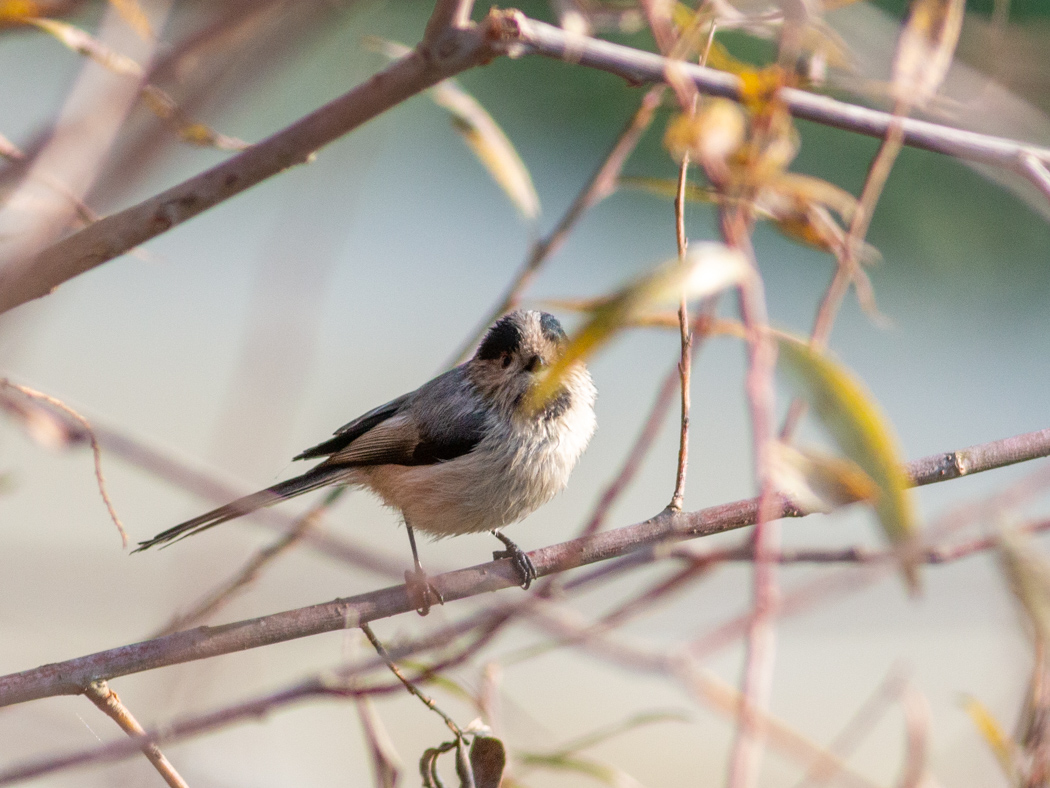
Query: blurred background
[[259, 327]]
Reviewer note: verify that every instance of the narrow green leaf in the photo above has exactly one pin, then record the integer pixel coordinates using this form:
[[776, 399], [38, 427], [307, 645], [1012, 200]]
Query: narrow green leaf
[[1028, 573], [708, 268], [865, 436]]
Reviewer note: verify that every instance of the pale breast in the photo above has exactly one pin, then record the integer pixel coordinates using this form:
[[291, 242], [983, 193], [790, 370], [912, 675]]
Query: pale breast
[[513, 471]]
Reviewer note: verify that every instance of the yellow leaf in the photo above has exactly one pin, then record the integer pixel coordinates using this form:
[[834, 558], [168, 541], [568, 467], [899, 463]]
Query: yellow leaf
[[720, 58], [484, 136], [989, 728], [865, 436], [84, 44], [14, 11], [758, 87], [815, 190], [925, 49], [131, 12], [708, 268], [818, 482], [712, 135]]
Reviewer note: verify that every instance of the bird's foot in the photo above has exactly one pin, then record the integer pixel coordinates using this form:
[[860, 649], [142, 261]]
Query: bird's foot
[[421, 592], [519, 558]]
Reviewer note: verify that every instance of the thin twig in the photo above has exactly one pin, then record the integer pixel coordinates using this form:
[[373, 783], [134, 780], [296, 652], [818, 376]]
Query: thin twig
[[250, 571], [853, 579], [761, 637], [412, 688], [448, 15], [601, 184], [848, 269], [685, 362], [637, 67], [343, 683], [72, 676], [859, 725], [99, 693], [1035, 169], [95, 451], [170, 468]]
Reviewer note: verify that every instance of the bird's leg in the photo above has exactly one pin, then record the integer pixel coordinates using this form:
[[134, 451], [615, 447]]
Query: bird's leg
[[519, 558], [421, 591]]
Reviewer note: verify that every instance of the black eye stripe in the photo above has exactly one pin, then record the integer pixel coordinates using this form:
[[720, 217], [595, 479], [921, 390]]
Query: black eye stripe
[[504, 337]]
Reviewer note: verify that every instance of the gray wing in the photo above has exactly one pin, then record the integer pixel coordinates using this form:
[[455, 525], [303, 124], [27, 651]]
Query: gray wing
[[439, 421]]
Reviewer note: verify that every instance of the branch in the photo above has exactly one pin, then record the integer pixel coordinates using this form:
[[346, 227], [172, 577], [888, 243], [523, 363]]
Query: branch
[[73, 676], [101, 695], [114, 235], [644, 67]]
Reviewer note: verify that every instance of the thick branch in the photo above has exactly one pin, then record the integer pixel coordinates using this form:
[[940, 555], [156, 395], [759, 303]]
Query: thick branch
[[114, 235], [644, 67], [73, 676]]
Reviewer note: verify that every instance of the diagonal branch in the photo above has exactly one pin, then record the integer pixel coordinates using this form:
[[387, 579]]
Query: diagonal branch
[[637, 66], [73, 676], [114, 235], [99, 693]]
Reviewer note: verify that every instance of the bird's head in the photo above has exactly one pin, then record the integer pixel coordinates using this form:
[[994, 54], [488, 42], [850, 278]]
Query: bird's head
[[514, 352]]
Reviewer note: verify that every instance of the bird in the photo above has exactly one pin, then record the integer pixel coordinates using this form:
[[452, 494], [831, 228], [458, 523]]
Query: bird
[[466, 452]]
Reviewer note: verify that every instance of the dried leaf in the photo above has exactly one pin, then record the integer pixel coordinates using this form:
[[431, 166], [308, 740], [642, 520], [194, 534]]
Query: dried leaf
[[711, 136], [811, 190], [925, 49], [481, 133], [18, 11], [1029, 575], [708, 268], [865, 436], [818, 482], [1001, 745], [464, 770], [83, 43], [386, 765], [488, 759], [131, 12], [490, 145]]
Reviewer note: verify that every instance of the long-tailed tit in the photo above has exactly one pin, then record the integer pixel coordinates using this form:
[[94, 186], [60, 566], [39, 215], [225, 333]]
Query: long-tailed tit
[[463, 453]]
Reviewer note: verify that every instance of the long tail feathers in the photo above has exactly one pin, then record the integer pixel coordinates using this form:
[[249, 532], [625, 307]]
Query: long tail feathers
[[310, 480]]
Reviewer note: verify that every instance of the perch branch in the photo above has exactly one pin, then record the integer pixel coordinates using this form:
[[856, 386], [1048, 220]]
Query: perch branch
[[73, 676]]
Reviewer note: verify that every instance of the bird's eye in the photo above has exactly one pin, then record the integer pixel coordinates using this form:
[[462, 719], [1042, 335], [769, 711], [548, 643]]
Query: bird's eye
[[505, 360]]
